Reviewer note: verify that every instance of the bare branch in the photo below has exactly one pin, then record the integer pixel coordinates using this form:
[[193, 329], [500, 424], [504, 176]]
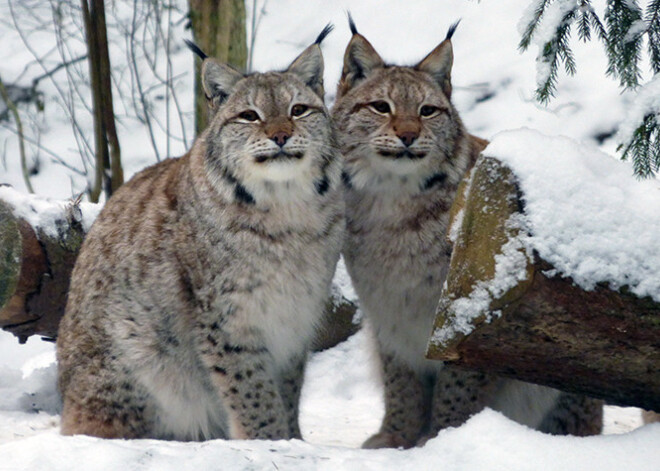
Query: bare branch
[[21, 142]]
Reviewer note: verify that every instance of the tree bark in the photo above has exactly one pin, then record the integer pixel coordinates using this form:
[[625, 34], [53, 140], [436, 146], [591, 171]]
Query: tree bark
[[219, 30], [108, 168], [602, 343], [35, 269]]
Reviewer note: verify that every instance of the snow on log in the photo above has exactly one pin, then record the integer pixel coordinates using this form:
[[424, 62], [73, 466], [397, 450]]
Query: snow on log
[[39, 244], [555, 274]]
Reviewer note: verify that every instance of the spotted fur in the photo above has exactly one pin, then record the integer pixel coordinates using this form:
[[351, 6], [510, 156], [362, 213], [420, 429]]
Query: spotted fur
[[200, 286], [405, 151]]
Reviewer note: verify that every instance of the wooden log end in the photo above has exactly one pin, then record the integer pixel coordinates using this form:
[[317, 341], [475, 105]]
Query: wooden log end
[[10, 255], [35, 270], [22, 267], [489, 267], [339, 322]]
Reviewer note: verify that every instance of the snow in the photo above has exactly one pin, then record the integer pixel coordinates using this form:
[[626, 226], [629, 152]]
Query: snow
[[46, 214], [342, 404], [498, 448], [647, 101], [510, 270], [586, 214]]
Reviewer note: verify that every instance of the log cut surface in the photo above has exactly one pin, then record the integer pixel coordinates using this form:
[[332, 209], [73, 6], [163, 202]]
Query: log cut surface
[[36, 267]]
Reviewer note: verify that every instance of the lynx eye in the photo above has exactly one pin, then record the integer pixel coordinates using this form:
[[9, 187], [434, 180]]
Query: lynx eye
[[249, 115], [299, 110], [381, 107], [428, 110]]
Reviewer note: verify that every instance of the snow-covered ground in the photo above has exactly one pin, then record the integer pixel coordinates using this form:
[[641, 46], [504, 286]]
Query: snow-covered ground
[[342, 405]]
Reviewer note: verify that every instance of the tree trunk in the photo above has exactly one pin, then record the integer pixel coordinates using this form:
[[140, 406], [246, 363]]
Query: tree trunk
[[219, 30], [545, 329], [108, 168]]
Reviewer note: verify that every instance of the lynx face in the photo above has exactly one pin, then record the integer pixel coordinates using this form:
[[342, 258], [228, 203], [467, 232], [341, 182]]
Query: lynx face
[[397, 126], [271, 128]]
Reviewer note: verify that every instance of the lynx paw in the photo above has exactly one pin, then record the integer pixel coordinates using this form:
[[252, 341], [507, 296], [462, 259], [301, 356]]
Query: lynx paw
[[387, 440]]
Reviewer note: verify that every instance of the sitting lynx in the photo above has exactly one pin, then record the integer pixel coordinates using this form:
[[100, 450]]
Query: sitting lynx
[[199, 287], [405, 151]]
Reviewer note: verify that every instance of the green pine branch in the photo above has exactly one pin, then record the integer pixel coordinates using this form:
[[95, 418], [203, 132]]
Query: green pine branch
[[530, 29], [623, 30], [653, 31], [555, 51], [623, 45], [644, 148]]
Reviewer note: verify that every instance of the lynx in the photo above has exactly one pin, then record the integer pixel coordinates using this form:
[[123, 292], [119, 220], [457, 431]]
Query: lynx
[[199, 287], [405, 152]]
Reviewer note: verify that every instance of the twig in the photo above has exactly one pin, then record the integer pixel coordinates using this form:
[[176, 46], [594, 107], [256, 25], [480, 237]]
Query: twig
[[86, 149], [256, 20], [19, 126], [55, 157], [36, 80], [138, 82]]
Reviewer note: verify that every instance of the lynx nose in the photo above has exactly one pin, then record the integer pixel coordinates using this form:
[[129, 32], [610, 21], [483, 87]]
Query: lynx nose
[[408, 137], [280, 138]]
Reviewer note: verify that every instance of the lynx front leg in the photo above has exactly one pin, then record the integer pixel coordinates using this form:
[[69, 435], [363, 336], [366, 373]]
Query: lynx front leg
[[245, 382], [407, 402], [290, 386], [458, 394], [574, 414]]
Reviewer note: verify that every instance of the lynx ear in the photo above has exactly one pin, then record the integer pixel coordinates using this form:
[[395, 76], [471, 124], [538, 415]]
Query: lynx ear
[[218, 80], [308, 66], [360, 59], [439, 62]]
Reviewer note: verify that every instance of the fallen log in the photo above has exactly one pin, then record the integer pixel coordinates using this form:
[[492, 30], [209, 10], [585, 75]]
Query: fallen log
[[339, 322], [39, 244], [507, 311]]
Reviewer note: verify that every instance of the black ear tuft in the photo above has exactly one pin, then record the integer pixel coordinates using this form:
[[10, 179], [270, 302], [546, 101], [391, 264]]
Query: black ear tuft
[[351, 24], [328, 28], [360, 60], [452, 30], [308, 66], [195, 48]]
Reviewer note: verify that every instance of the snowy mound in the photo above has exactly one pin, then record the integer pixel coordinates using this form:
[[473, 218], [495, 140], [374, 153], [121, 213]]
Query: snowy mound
[[586, 213], [341, 406]]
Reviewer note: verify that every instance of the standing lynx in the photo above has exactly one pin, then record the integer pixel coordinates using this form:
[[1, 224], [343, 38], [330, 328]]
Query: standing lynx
[[199, 288], [405, 152]]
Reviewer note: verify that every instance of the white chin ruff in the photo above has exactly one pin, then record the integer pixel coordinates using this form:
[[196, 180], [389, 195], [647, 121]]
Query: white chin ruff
[[401, 167], [280, 170]]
